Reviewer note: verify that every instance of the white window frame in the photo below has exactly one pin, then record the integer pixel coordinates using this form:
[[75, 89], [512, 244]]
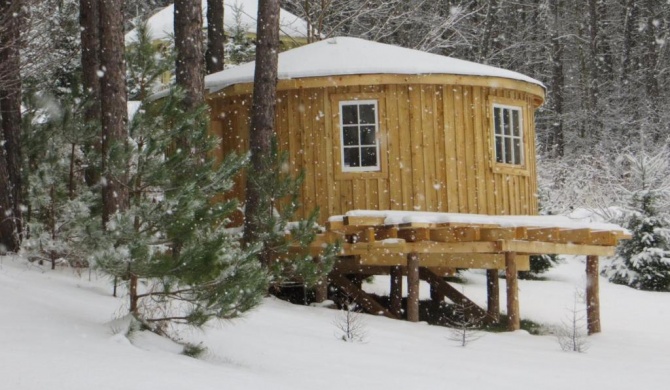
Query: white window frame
[[502, 136], [358, 103]]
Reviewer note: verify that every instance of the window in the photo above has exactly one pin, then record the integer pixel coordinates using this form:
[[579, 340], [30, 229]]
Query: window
[[508, 132], [358, 136]]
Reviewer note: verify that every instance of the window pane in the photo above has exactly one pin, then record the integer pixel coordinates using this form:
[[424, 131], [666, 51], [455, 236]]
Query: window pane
[[508, 151], [350, 114], [351, 157], [506, 124], [367, 114], [496, 116], [517, 152], [499, 149], [350, 135], [368, 157], [516, 123], [367, 135]]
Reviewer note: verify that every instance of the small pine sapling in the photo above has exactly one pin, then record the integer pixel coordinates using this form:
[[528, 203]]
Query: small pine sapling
[[572, 334], [464, 327], [350, 323]]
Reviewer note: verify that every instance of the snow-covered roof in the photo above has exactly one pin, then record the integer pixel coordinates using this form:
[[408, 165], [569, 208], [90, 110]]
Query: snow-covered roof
[[351, 56], [161, 24]]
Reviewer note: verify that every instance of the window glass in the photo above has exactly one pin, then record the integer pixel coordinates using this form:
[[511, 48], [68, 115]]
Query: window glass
[[508, 134], [359, 127]]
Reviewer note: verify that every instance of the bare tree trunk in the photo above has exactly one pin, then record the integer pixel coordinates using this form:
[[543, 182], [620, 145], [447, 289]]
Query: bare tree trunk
[[487, 36], [557, 139], [114, 109], [263, 111], [89, 19], [216, 36], [188, 44], [630, 23], [10, 110]]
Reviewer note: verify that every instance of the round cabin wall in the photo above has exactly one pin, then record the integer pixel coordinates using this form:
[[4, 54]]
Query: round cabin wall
[[437, 150]]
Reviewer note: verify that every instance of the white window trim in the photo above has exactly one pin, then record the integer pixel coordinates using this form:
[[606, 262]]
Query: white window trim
[[503, 136], [377, 166]]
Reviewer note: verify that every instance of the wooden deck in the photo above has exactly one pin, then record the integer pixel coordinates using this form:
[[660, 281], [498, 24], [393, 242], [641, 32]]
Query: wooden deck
[[428, 251]]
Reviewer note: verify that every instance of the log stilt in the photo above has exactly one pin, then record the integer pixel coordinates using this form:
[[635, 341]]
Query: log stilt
[[396, 292], [592, 295], [321, 287], [492, 295], [514, 320], [412, 287]]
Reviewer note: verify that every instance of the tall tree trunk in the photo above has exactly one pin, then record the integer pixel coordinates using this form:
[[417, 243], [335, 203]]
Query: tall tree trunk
[[263, 111], [557, 139], [629, 26], [216, 36], [650, 69], [188, 44], [10, 110], [89, 19], [487, 36], [114, 109], [593, 71]]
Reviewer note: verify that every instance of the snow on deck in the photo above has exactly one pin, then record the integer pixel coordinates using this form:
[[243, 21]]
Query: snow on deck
[[392, 217], [354, 56], [161, 24]]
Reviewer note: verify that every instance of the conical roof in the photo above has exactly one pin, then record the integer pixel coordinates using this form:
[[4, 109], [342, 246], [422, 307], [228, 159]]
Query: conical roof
[[352, 56]]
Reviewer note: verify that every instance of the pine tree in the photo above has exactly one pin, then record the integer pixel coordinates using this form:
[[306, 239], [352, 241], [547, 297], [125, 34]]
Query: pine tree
[[171, 244], [644, 261]]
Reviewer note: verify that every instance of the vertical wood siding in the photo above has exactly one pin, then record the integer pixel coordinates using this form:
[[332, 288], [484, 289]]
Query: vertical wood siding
[[437, 140]]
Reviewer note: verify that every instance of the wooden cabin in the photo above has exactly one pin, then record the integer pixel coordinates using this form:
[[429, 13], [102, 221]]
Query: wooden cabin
[[392, 130], [381, 127]]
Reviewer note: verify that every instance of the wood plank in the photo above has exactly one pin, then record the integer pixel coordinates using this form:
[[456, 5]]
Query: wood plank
[[405, 156], [480, 143], [495, 234], [416, 148], [394, 160], [363, 221], [428, 146], [450, 149], [439, 147], [367, 80], [359, 296], [604, 238], [413, 235], [543, 234], [575, 236], [455, 234], [536, 247], [472, 310], [461, 167], [470, 165]]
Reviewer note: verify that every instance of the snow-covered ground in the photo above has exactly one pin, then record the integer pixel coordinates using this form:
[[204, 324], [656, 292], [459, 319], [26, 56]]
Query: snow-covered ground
[[59, 330]]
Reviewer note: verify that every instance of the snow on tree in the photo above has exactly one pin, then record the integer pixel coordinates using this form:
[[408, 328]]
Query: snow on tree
[[644, 261]]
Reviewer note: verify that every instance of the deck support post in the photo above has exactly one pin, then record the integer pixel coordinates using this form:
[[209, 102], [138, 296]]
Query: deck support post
[[395, 297], [321, 287], [592, 295], [413, 287], [514, 320], [492, 296]]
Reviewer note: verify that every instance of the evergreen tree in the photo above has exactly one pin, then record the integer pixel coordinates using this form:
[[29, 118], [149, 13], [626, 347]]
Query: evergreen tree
[[644, 261], [173, 236], [58, 200]]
